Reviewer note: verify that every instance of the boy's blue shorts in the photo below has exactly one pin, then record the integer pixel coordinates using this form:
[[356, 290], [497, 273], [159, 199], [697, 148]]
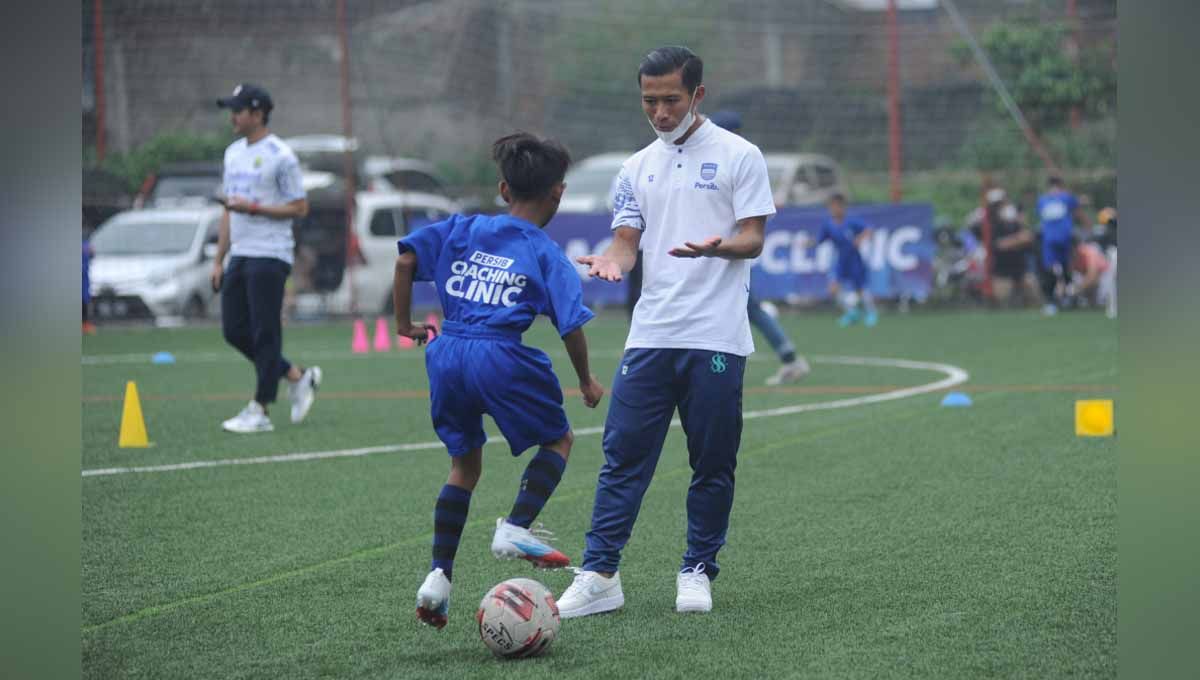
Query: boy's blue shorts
[[512, 383], [851, 275]]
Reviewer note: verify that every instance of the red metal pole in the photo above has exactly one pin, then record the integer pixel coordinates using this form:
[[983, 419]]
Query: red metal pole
[[98, 44], [986, 238], [348, 162], [893, 89], [1075, 44]]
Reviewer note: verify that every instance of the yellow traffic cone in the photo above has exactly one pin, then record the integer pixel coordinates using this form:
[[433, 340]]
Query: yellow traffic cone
[[133, 426], [1094, 418]]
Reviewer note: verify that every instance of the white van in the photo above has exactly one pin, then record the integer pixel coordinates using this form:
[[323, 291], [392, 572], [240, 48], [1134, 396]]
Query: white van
[[381, 219]]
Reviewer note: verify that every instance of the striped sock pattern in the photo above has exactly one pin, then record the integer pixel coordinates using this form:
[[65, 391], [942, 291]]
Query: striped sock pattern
[[449, 517], [540, 478]]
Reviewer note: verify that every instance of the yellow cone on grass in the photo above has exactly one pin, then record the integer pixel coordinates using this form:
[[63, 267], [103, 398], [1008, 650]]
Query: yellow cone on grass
[[1094, 418], [133, 426]]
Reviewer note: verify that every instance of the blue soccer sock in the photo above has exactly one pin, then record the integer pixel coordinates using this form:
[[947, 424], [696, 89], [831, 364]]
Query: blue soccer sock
[[449, 517], [541, 477]]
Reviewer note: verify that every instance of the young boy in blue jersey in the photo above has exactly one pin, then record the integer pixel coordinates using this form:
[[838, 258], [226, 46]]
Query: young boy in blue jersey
[[849, 281], [1057, 209], [494, 274]]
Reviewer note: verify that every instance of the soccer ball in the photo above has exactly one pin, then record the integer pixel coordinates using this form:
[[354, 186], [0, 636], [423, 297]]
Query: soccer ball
[[518, 618]]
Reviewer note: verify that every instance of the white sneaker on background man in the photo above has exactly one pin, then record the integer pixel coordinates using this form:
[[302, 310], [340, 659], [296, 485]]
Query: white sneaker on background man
[[303, 392], [251, 419]]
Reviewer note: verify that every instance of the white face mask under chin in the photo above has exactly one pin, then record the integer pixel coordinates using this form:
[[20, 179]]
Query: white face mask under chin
[[680, 130]]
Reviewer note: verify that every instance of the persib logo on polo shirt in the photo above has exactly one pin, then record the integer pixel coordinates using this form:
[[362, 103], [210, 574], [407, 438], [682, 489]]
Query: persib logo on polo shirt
[[708, 171]]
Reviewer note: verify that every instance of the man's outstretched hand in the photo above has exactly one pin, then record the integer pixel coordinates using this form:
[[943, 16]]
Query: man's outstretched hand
[[601, 267], [707, 248]]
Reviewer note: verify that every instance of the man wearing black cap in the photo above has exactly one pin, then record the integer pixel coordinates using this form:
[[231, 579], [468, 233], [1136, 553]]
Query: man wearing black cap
[[262, 195]]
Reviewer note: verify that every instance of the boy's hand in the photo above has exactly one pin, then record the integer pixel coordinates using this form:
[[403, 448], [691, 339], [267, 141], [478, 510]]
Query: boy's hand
[[592, 390], [416, 331]]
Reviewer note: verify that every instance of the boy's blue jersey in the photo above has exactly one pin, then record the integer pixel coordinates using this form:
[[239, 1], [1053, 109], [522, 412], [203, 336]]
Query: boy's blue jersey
[[1056, 209], [843, 235], [498, 272]]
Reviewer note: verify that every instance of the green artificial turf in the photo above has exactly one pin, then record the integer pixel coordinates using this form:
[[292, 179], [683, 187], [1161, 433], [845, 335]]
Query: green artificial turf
[[895, 539]]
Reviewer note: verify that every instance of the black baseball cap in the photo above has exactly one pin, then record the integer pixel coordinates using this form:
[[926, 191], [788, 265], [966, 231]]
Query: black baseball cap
[[730, 120], [247, 96]]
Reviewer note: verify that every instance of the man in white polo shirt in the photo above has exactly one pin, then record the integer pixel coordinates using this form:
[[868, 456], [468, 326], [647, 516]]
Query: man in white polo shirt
[[696, 202], [262, 195]]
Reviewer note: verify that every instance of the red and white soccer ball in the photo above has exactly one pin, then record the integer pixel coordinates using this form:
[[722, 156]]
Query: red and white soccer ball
[[518, 618]]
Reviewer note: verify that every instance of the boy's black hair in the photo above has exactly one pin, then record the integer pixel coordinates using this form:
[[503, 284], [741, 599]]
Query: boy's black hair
[[670, 59], [1055, 181], [531, 166]]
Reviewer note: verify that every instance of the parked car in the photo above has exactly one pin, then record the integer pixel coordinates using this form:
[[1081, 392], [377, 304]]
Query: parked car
[[374, 173], [591, 183], [381, 220], [383, 173], [323, 284], [803, 178], [192, 183], [796, 179], [155, 263]]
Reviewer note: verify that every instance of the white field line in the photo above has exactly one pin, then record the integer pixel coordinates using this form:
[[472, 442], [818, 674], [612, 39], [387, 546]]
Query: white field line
[[954, 376]]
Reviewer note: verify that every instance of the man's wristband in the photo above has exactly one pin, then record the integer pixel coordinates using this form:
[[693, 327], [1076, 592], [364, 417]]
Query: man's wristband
[[253, 208]]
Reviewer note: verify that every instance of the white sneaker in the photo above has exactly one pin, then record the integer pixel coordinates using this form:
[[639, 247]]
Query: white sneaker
[[303, 392], [791, 372], [251, 419], [591, 593], [513, 542], [1049, 310], [433, 599], [693, 590]]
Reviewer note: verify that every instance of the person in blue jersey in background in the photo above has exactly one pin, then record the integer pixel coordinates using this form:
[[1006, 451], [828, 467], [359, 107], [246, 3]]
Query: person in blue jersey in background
[[1058, 209], [88, 328], [494, 275], [792, 366], [849, 281]]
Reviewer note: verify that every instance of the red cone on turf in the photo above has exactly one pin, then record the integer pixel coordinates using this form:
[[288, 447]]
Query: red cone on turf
[[359, 344]]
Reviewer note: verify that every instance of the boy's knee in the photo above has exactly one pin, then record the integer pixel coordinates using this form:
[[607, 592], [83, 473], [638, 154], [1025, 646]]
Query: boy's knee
[[562, 445]]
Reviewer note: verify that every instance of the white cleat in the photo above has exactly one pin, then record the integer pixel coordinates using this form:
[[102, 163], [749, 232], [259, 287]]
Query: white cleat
[[591, 593], [513, 542], [251, 419], [790, 372], [303, 392], [693, 590], [433, 599]]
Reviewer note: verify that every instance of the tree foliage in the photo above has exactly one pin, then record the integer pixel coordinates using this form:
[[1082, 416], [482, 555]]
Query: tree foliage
[[1031, 57], [167, 147]]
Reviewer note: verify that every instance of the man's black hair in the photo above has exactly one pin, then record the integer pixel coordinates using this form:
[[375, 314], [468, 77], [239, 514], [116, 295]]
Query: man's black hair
[[670, 59], [838, 197], [1055, 181], [531, 166]]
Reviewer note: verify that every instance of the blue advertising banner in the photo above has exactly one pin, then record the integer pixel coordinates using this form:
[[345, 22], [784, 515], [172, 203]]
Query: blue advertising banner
[[899, 254]]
